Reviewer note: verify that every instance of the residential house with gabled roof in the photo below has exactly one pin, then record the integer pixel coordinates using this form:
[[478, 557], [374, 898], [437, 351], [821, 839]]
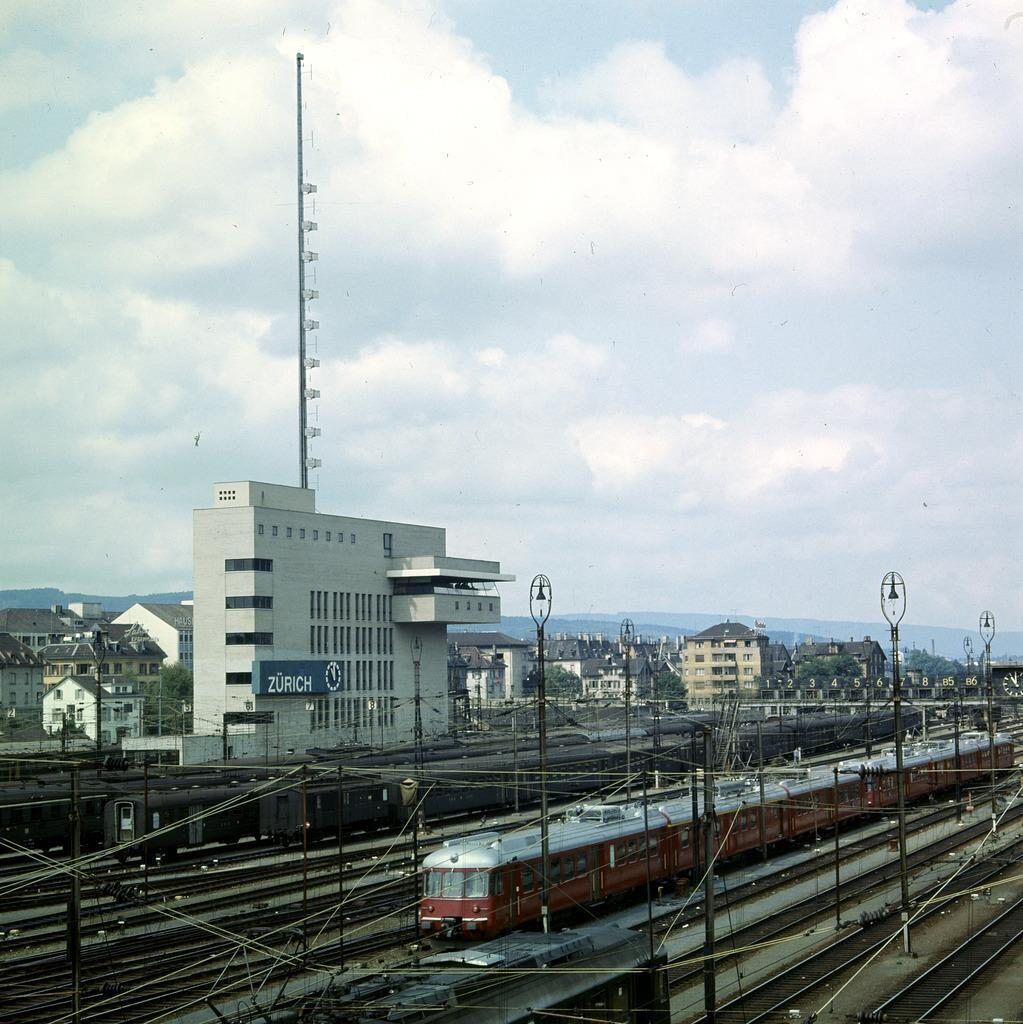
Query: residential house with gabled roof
[[126, 652], [869, 654], [71, 700], [34, 627], [604, 678]]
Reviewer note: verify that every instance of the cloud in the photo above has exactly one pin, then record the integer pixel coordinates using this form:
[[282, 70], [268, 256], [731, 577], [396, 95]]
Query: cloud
[[710, 335], [550, 322]]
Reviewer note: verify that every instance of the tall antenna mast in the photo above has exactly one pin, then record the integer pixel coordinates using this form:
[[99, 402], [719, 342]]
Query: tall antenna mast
[[305, 393]]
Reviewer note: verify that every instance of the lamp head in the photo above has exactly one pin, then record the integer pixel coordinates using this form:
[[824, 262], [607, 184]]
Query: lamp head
[[417, 650], [987, 627], [540, 599], [893, 597], [627, 632]]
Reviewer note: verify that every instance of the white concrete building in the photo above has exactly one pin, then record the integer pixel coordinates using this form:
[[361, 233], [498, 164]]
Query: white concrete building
[[72, 699], [304, 623], [170, 625]]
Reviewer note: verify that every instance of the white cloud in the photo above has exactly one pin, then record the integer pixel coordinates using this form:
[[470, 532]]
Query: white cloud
[[710, 335], [549, 324]]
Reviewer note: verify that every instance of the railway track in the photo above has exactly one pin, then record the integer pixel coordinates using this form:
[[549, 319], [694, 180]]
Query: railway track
[[923, 998], [785, 989], [196, 958]]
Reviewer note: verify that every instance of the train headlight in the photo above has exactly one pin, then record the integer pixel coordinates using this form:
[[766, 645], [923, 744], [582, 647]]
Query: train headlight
[[429, 909], [475, 909]]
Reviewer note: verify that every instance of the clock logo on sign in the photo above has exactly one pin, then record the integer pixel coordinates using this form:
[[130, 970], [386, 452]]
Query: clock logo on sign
[[333, 675]]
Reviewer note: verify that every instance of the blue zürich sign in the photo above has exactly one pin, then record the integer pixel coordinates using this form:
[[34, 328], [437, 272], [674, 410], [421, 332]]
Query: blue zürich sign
[[296, 678]]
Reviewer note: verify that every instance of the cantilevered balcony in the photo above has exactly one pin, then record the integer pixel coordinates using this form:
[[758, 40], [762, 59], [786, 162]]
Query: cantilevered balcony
[[444, 590]]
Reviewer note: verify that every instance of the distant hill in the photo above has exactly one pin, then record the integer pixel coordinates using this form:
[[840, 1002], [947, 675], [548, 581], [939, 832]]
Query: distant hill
[[47, 597], [523, 628]]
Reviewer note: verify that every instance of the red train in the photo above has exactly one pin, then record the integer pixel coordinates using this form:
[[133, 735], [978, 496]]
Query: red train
[[488, 883]]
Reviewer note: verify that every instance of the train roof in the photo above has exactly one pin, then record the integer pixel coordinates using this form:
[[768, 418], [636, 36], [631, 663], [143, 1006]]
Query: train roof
[[923, 752], [589, 823]]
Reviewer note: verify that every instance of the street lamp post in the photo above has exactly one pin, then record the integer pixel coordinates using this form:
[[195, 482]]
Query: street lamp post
[[893, 605], [540, 610], [99, 649], [625, 636], [987, 634]]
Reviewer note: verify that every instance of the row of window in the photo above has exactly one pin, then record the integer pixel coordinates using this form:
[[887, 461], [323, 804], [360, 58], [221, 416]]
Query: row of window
[[248, 565], [249, 639], [329, 536], [352, 713], [253, 601], [88, 668], [477, 884], [721, 643], [338, 640], [336, 604]]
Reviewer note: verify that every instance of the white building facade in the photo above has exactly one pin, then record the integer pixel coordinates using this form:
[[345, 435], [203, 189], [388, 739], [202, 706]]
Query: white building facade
[[170, 625], [71, 702], [277, 582]]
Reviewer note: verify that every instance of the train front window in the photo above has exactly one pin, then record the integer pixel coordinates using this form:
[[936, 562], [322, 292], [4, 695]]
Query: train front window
[[475, 885], [444, 884]]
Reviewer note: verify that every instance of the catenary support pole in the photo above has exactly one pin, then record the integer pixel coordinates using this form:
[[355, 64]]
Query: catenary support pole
[[74, 907], [709, 976]]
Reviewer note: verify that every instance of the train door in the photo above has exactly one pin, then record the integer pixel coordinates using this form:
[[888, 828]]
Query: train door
[[511, 887], [594, 873], [195, 823], [124, 821]]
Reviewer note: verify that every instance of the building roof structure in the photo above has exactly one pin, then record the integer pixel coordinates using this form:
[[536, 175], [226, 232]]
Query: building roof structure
[[15, 654]]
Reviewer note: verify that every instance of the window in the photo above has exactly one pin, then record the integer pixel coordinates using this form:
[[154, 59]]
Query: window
[[248, 565], [388, 544], [255, 601], [239, 679], [445, 884], [476, 884], [259, 529], [273, 531], [301, 533], [316, 534], [326, 536], [289, 531], [353, 538], [244, 639]]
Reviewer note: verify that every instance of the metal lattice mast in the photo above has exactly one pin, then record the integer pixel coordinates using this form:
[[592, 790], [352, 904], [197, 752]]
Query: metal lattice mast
[[305, 393]]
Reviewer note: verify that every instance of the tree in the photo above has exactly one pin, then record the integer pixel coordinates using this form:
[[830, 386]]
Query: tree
[[561, 683], [932, 665], [668, 687], [165, 698], [843, 667]]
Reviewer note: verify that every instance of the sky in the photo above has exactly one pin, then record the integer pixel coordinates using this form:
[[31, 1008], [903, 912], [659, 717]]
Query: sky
[[694, 306]]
